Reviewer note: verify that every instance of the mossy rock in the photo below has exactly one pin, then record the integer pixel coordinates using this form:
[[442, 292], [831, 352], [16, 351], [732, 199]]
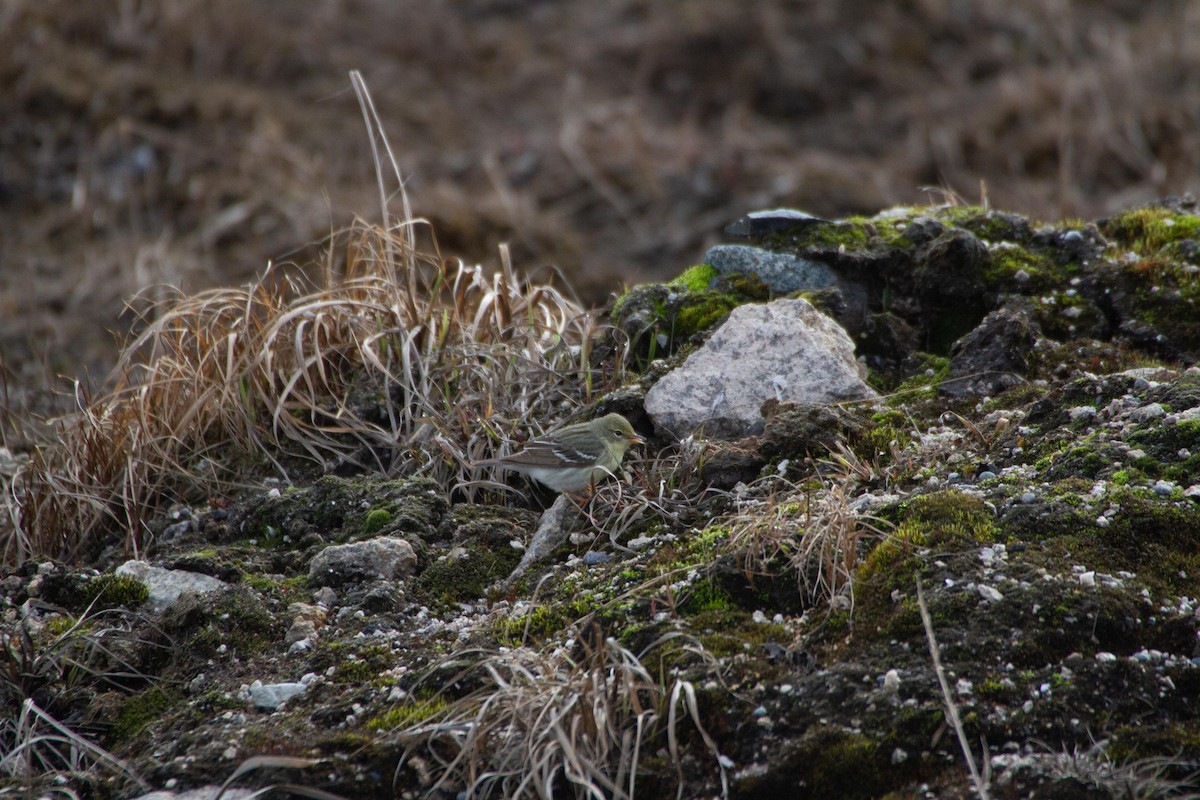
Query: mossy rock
[[101, 592], [341, 509], [1147, 230], [467, 576], [659, 318], [828, 762]]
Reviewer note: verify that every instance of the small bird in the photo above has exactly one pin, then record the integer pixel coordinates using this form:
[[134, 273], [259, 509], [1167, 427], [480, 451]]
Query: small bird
[[572, 458]]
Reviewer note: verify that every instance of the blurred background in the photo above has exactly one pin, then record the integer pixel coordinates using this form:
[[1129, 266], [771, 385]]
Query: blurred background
[[187, 142]]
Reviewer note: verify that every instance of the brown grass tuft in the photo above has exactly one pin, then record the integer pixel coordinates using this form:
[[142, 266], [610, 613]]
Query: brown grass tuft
[[406, 363], [547, 723]]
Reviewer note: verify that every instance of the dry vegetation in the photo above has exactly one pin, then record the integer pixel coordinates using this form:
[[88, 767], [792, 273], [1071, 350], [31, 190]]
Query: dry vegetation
[[406, 363], [550, 719]]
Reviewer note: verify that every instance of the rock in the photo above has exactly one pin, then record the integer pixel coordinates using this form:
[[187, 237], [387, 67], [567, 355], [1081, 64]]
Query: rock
[[795, 430], [888, 333], [783, 272], [551, 532], [200, 793], [385, 557], [952, 267], [270, 696], [775, 220], [168, 585], [992, 357], [727, 465], [950, 282], [785, 350], [305, 621]]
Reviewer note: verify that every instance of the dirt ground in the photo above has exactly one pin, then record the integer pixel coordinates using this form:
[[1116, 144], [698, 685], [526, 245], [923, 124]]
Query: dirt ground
[[187, 143]]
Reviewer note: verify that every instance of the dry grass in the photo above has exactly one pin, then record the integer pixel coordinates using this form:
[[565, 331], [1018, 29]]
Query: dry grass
[[1144, 779], [404, 362], [808, 530], [548, 723], [41, 676], [665, 487], [42, 746]]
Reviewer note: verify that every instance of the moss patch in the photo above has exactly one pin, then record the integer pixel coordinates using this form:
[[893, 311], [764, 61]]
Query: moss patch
[[469, 576]]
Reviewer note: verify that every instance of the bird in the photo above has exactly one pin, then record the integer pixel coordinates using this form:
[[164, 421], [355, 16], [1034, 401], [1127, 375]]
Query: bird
[[570, 459]]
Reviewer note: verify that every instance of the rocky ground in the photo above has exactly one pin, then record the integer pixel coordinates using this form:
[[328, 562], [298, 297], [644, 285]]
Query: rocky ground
[[742, 614]]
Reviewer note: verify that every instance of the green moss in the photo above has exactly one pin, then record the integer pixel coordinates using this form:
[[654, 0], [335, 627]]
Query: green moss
[[1147, 230], [114, 591], [420, 707], [948, 518], [701, 311], [542, 621], [57, 626], [707, 595], [235, 618], [1132, 743], [377, 519], [991, 226], [1153, 537], [284, 589], [1009, 259], [139, 711], [660, 318], [459, 579], [932, 370], [829, 762], [888, 429], [333, 506], [708, 542], [362, 664], [884, 231], [998, 689], [695, 279], [353, 662], [944, 522], [850, 234]]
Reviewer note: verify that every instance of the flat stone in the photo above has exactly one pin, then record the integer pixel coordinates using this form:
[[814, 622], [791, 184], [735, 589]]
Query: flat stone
[[382, 558], [774, 220], [782, 272], [270, 696], [168, 585]]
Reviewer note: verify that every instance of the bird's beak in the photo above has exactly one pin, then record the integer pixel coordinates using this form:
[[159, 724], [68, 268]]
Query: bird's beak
[[635, 439]]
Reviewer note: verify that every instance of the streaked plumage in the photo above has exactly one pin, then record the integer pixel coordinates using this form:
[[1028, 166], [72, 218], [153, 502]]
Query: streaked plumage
[[570, 459]]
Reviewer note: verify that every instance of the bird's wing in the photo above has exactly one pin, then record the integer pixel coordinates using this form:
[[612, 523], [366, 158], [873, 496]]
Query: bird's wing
[[550, 453]]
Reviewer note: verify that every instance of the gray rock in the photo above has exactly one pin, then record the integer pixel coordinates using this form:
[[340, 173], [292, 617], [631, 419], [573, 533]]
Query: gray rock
[[168, 585], [199, 793], [1147, 412], [270, 696], [385, 558], [782, 272], [785, 350], [760, 223], [551, 532], [992, 357]]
